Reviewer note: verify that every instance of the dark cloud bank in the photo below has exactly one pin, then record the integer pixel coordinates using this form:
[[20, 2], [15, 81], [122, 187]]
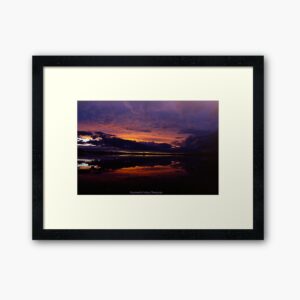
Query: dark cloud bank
[[176, 126], [100, 141]]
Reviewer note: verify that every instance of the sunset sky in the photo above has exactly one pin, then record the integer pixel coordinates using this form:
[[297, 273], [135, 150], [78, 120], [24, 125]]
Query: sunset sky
[[149, 121]]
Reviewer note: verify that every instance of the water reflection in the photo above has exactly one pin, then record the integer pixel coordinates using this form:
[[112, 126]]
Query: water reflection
[[166, 174]]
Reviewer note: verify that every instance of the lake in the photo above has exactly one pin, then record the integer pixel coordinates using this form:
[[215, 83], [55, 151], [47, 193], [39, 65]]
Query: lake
[[147, 173]]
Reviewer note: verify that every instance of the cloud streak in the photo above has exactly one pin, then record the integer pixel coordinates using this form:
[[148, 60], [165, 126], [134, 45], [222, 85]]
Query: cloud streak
[[149, 121]]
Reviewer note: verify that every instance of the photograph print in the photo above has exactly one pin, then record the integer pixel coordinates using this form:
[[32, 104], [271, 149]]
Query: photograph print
[[148, 147]]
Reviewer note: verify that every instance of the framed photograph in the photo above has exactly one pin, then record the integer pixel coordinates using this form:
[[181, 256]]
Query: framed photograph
[[148, 147]]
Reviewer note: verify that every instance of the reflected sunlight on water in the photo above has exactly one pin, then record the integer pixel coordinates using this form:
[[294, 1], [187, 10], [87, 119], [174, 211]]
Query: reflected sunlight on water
[[173, 169], [131, 174], [84, 166]]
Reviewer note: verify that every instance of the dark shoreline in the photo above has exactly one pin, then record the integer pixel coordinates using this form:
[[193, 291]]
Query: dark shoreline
[[144, 153]]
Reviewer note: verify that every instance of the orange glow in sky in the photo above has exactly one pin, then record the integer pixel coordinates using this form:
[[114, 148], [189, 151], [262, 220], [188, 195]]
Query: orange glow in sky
[[170, 122], [157, 136]]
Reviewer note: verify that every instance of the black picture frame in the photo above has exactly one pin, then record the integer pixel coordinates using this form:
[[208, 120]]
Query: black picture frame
[[39, 62]]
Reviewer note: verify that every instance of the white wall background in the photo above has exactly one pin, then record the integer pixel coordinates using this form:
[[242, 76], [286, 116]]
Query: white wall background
[[151, 270]]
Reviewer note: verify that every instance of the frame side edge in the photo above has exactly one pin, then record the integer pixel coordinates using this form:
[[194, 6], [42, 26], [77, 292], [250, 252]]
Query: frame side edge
[[37, 147]]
